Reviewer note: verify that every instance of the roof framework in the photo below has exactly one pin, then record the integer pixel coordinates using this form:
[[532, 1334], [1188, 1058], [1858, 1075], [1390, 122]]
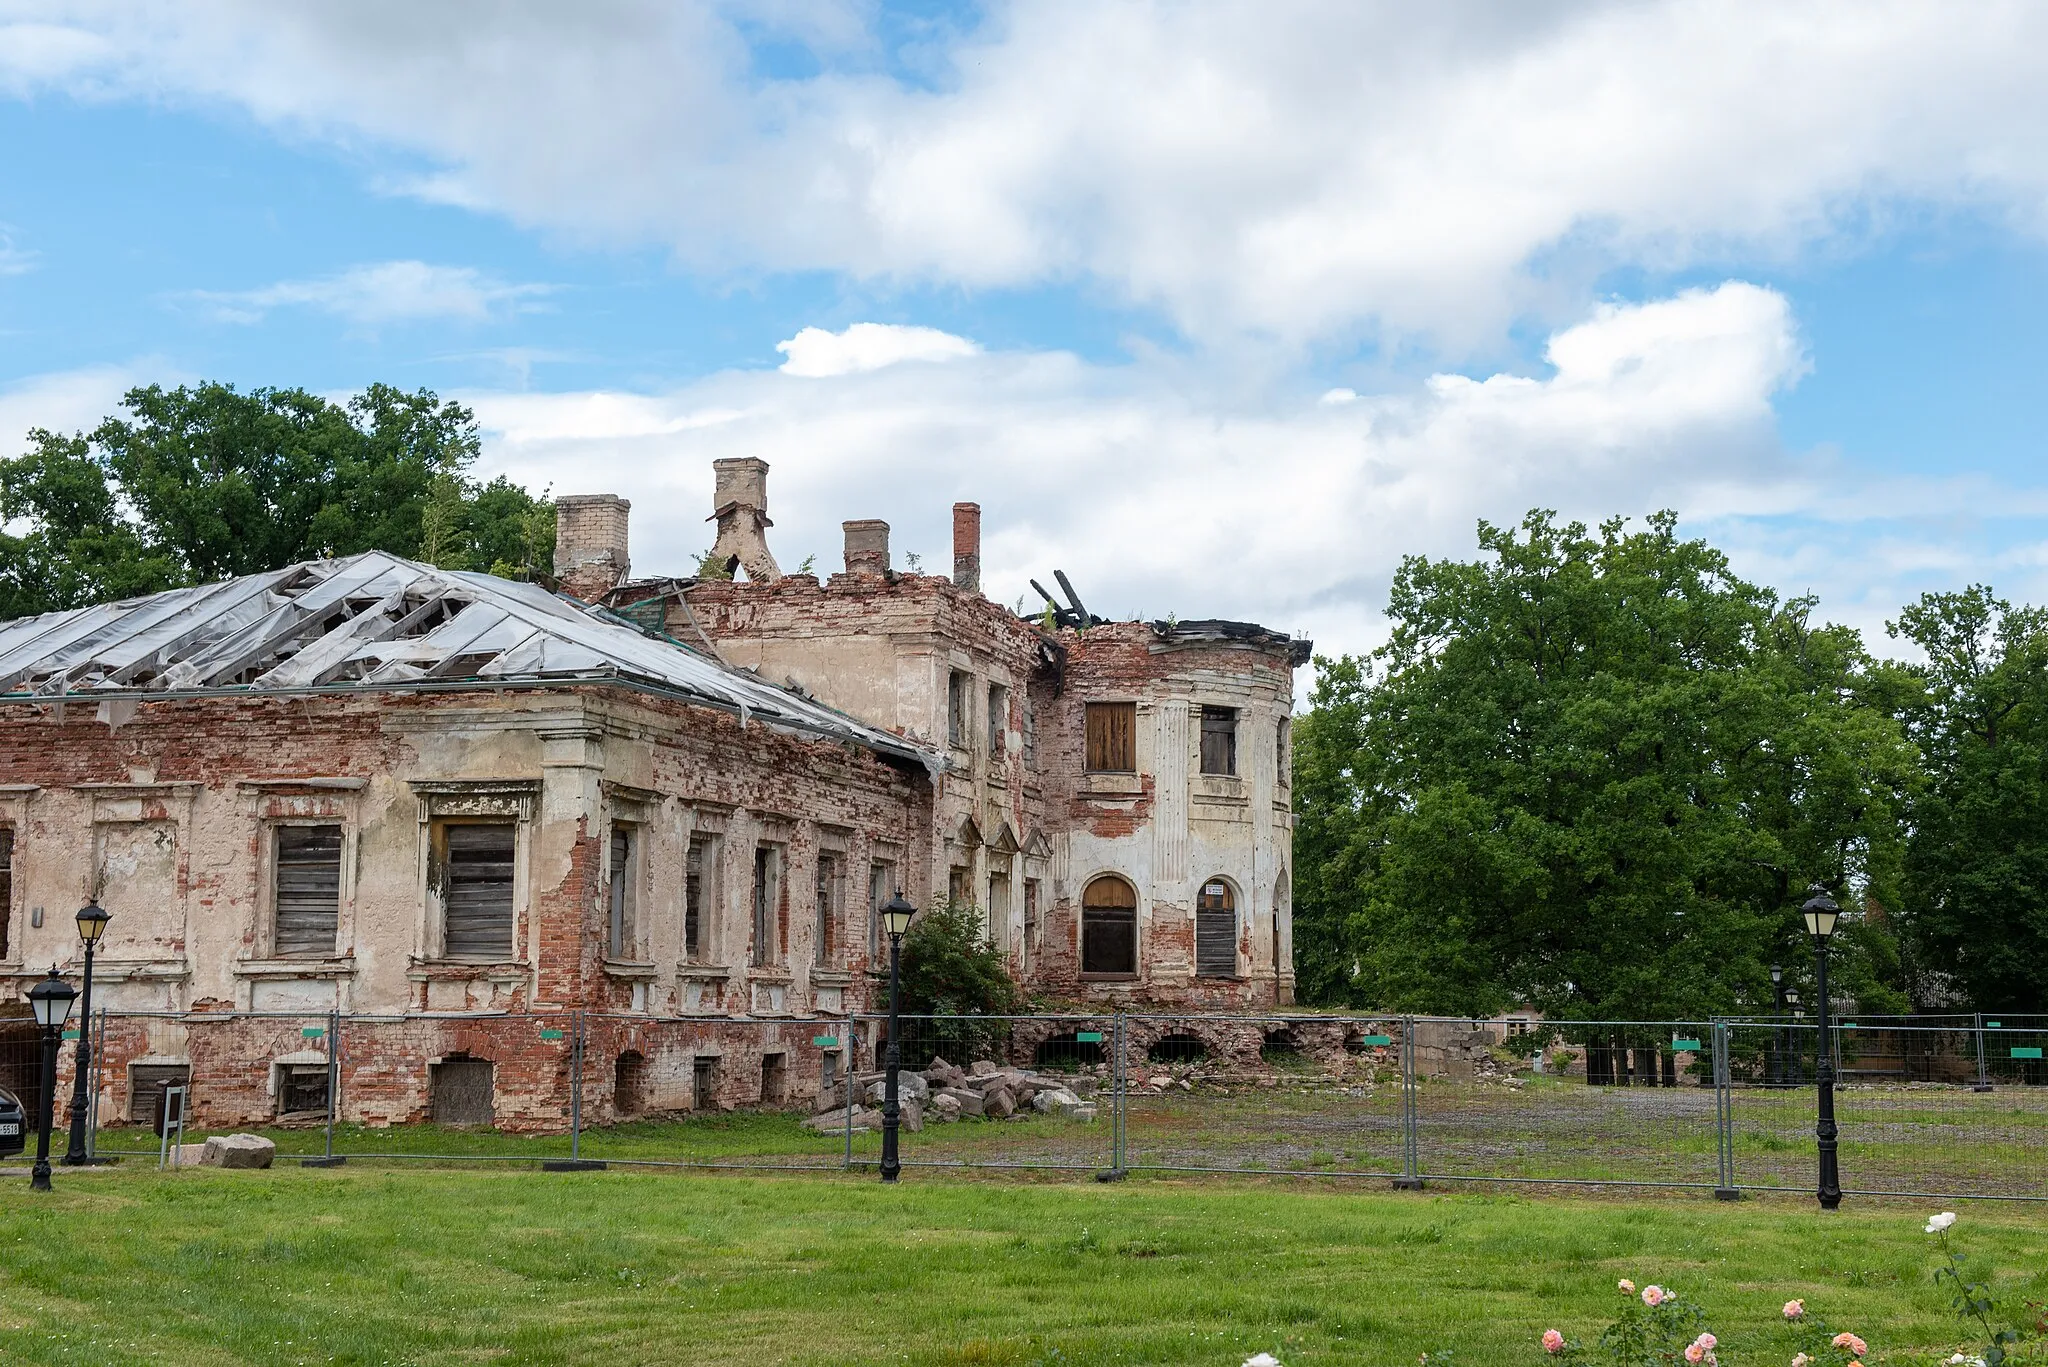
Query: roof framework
[[378, 622]]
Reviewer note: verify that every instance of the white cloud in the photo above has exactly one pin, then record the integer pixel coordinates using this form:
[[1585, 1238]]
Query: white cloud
[[817, 354], [15, 260], [1157, 495], [386, 292], [1336, 167], [72, 400]]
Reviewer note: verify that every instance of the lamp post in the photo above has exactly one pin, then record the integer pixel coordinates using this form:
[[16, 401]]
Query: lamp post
[[896, 914], [92, 923], [51, 999], [1778, 1052], [1821, 913]]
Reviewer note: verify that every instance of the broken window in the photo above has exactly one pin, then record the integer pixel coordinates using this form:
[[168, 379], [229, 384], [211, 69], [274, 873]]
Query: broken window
[[704, 1083], [957, 705], [1030, 732], [774, 1079], [1215, 931], [306, 889], [998, 720], [476, 889], [1219, 740], [831, 940], [619, 888], [995, 920], [6, 885], [301, 1089], [960, 886], [1109, 927], [881, 887], [629, 1083], [1112, 737], [767, 947], [697, 874]]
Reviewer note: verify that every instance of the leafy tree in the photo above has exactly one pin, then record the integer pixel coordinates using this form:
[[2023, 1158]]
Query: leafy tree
[[194, 484], [1976, 869], [949, 969], [1594, 772]]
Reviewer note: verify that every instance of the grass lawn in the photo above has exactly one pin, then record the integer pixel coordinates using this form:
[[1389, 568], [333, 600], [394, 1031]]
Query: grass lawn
[[378, 1265]]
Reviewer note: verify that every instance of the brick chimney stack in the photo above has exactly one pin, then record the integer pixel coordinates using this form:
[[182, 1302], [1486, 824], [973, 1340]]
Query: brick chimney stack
[[590, 543], [967, 546], [739, 504], [867, 548]]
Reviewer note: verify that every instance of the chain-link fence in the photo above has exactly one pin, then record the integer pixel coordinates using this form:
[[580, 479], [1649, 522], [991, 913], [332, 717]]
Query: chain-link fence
[[1950, 1107]]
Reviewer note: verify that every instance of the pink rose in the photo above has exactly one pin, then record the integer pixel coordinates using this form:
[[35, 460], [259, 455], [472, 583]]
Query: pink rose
[[1845, 1339], [1553, 1342], [1654, 1296], [1708, 1342], [1800, 1360], [1794, 1309], [1695, 1353]]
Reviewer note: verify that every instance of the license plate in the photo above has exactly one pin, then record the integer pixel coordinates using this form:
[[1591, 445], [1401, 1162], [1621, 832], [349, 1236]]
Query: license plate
[[10, 1129]]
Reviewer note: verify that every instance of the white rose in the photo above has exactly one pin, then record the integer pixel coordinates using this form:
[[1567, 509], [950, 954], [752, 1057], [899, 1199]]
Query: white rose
[[1936, 1224]]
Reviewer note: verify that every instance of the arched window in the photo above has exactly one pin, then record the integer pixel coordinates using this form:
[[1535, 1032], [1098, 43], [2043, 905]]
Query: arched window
[[1109, 926], [1215, 931], [1283, 925]]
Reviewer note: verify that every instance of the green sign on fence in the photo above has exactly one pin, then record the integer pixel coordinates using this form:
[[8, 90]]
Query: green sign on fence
[[1379, 1039], [1991, 1025], [70, 1034], [1685, 1046], [825, 1041], [312, 1031], [1088, 1037], [550, 1034], [1848, 1025], [2026, 1053]]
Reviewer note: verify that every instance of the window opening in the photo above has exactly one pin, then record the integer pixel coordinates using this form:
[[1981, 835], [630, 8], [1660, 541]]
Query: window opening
[[998, 720], [695, 867], [1215, 931], [302, 1089], [1030, 732], [146, 1084], [619, 884], [1219, 740], [476, 899], [1109, 927], [306, 889], [1112, 731], [774, 1079], [460, 1092], [829, 899], [881, 887], [956, 709], [1177, 1049], [1030, 920], [960, 886], [766, 943], [995, 920], [629, 1083], [1280, 750]]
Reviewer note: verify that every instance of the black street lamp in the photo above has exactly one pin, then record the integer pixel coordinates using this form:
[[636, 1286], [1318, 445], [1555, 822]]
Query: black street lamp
[[896, 914], [1821, 913], [92, 923], [51, 999], [1777, 1070]]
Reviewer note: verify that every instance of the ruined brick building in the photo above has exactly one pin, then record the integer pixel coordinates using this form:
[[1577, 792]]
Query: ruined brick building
[[464, 806]]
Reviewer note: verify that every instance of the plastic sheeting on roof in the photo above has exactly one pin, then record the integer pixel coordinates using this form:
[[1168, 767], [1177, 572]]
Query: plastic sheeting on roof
[[377, 621]]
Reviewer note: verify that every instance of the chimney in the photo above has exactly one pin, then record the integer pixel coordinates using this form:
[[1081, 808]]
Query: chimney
[[590, 543], [967, 546], [739, 504], [867, 548]]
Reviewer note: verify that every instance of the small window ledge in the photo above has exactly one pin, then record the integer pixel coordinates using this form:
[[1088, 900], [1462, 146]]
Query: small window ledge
[[831, 977], [773, 974], [313, 966], [1112, 784], [691, 972], [631, 970], [437, 970]]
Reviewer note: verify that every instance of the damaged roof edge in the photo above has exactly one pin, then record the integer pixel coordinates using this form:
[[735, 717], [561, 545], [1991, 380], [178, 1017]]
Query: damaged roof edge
[[1299, 649]]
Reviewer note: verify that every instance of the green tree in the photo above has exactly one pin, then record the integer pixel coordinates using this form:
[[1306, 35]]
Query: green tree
[[1594, 772], [950, 969], [1975, 900], [199, 483]]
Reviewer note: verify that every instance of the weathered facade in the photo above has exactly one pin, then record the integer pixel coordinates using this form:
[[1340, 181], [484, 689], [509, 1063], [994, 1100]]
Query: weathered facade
[[469, 808]]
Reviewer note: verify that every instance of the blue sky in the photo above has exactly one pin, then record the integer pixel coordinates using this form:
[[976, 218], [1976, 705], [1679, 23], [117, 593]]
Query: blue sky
[[1248, 308]]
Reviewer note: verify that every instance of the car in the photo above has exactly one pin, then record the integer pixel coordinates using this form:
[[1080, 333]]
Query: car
[[13, 1124]]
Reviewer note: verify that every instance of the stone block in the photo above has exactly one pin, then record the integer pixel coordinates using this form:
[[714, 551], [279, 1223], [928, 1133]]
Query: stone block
[[237, 1151], [999, 1104]]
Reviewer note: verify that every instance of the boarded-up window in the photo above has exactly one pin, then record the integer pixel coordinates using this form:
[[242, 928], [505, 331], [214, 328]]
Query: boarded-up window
[[146, 1083], [302, 1089], [307, 889], [704, 1083], [6, 885], [619, 885], [831, 901], [767, 948], [957, 703], [1215, 931], [1109, 927], [476, 890], [1219, 740], [461, 1092], [1112, 732], [696, 888], [995, 920], [998, 720]]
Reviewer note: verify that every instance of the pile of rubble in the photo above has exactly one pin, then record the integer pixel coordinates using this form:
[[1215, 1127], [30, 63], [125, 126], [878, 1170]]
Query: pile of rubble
[[944, 1093]]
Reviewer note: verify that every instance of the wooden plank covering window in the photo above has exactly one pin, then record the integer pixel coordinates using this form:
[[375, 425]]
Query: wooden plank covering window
[[1219, 740], [828, 908], [307, 889], [476, 898], [6, 884], [695, 869], [1112, 737], [1109, 927], [1215, 931]]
